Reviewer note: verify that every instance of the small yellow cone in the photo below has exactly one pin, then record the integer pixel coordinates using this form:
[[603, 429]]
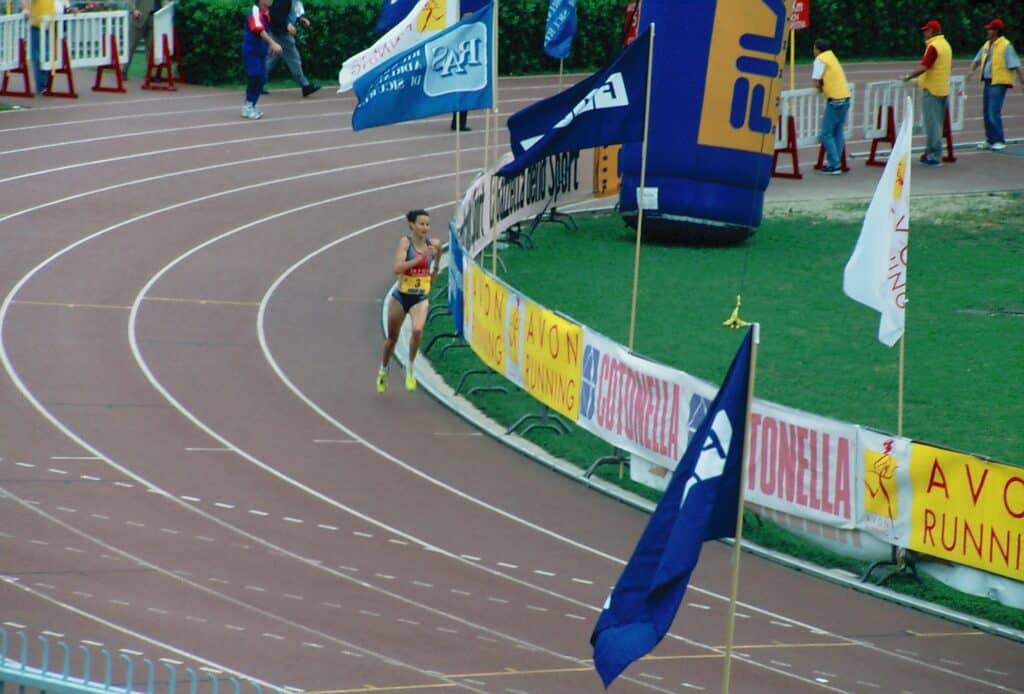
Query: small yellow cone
[[734, 321]]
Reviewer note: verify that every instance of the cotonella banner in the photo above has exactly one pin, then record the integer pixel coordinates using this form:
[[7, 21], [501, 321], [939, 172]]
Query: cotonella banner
[[803, 465], [967, 510], [635, 404]]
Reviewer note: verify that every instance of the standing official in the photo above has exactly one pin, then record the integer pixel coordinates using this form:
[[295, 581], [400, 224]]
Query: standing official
[[830, 80], [998, 62], [934, 72]]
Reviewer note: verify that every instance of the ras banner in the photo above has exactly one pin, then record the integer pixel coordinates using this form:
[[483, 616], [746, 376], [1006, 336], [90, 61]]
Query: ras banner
[[967, 510]]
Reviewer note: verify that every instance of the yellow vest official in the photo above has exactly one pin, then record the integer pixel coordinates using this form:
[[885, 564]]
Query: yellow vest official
[[997, 50], [833, 81], [936, 78]]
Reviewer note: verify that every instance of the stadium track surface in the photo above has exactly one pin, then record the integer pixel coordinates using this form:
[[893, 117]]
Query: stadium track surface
[[194, 464]]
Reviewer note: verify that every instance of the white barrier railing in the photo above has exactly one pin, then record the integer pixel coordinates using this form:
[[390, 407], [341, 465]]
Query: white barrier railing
[[806, 107], [88, 39], [13, 31], [163, 34]]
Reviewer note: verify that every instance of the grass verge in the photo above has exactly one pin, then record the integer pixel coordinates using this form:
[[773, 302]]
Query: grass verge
[[819, 352]]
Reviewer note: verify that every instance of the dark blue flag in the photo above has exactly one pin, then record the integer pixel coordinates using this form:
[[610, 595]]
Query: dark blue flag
[[560, 28], [700, 504], [391, 13], [604, 109], [450, 71]]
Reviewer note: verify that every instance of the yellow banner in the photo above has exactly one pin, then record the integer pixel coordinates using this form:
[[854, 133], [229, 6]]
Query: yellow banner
[[486, 313], [552, 360], [741, 83], [967, 510]]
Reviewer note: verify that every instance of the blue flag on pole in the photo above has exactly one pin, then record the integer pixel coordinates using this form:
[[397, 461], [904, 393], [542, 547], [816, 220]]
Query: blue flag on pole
[[560, 28], [604, 109], [391, 13], [699, 504], [450, 71]]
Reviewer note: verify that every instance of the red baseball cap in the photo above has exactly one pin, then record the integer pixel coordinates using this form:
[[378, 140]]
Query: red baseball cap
[[996, 24], [932, 25]]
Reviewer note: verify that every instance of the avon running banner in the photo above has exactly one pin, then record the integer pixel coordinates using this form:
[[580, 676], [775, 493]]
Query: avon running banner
[[560, 28], [449, 72]]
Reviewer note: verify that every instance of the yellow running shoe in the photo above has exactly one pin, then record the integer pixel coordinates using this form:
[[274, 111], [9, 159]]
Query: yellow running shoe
[[382, 380], [410, 379]]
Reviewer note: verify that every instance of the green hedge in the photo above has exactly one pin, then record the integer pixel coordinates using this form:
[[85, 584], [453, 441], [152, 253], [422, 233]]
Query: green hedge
[[210, 32]]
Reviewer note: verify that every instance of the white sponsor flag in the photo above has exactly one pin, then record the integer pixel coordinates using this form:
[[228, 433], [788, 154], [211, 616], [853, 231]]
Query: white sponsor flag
[[426, 18], [876, 274]]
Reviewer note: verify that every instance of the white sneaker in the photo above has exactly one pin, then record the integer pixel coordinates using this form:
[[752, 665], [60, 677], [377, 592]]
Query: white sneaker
[[996, 146], [251, 112], [983, 145]]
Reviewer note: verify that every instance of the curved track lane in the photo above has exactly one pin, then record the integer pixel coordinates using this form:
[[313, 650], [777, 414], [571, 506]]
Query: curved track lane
[[194, 464]]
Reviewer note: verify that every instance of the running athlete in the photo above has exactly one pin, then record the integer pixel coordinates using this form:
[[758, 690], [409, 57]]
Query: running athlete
[[417, 260]]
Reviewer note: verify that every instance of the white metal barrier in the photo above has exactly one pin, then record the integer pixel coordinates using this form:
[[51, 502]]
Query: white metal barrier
[[88, 39], [800, 113], [13, 31], [162, 52]]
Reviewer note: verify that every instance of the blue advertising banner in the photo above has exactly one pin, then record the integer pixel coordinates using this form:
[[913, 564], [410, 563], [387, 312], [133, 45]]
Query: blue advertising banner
[[605, 108], [451, 71], [560, 28]]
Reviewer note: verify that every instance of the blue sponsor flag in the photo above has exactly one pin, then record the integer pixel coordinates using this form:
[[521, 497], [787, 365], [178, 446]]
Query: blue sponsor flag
[[699, 504], [560, 28], [392, 12], [450, 71], [604, 109]]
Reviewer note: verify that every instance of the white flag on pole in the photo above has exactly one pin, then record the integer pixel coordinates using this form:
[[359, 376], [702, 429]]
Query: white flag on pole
[[876, 274], [426, 18]]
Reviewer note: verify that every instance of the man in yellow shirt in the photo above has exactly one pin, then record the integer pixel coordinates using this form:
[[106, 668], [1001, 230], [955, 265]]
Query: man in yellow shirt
[[830, 79], [35, 10], [998, 62], [934, 72]]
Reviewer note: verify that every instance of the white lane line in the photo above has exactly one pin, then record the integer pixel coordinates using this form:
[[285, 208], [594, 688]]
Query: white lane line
[[423, 584], [293, 596], [360, 533], [24, 464], [100, 516], [66, 509], [327, 527], [197, 449], [536, 608], [335, 441], [193, 499], [541, 572], [57, 471], [310, 644], [583, 581], [698, 606], [386, 577], [577, 617], [256, 512], [469, 557], [289, 519], [91, 478], [464, 593], [506, 565], [74, 457], [233, 627], [221, 504], [398, 542]]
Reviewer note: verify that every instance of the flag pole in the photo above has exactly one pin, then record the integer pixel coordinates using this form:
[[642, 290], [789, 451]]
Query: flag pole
[[458, 157], [640, 194], [792, 59], [899, 390], [495, 109], [561, 63], [734, 590]]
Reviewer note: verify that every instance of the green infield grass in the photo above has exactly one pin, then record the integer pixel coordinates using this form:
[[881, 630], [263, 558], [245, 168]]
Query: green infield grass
[[819, 351]]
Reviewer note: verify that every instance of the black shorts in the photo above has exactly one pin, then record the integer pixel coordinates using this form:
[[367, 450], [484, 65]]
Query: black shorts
[[407, 301]]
